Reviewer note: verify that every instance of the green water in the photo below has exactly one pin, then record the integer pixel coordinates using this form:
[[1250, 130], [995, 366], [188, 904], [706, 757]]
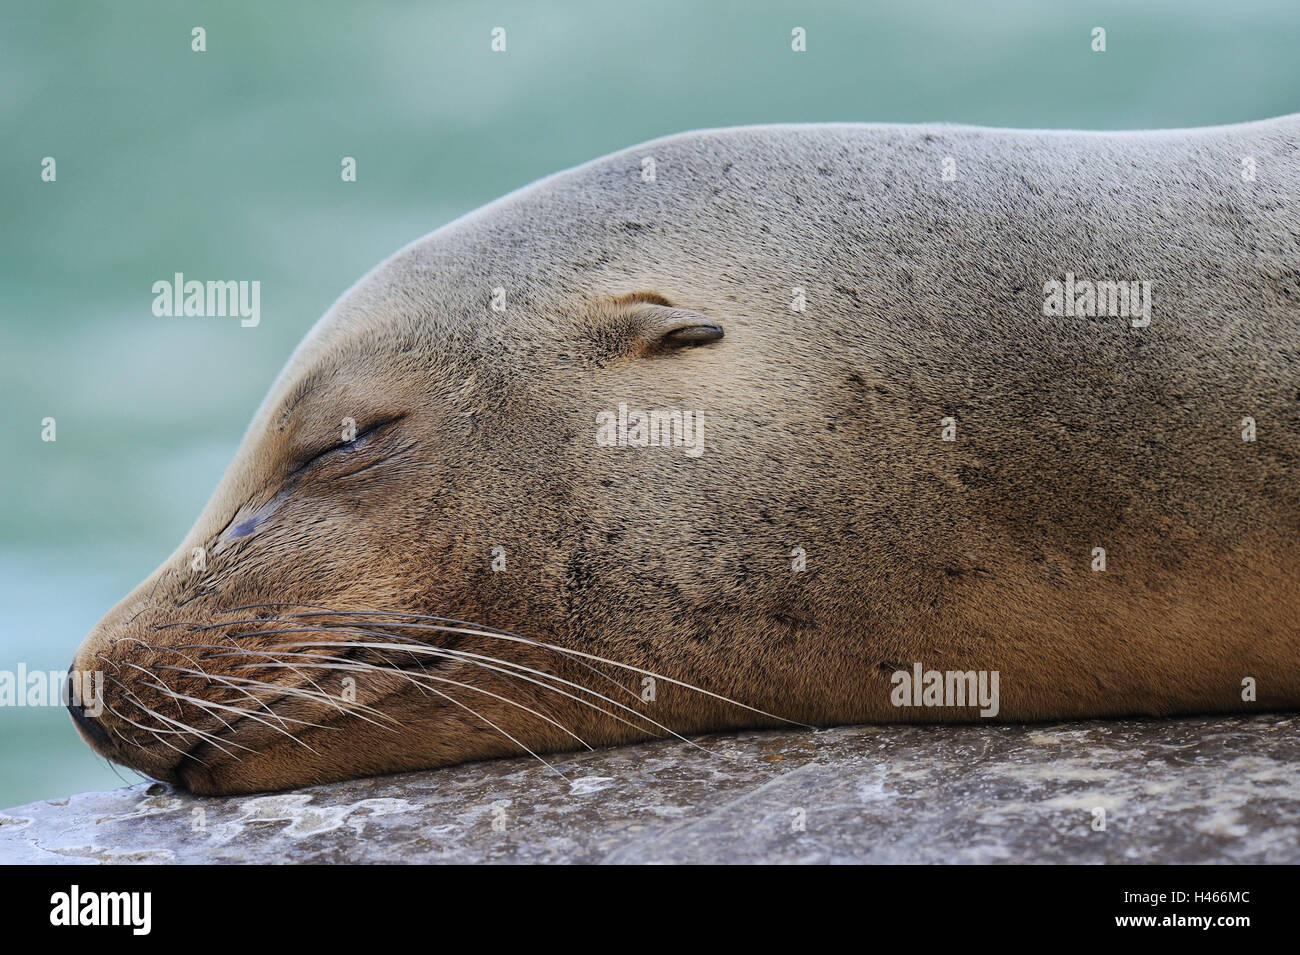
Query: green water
[[225, 164]]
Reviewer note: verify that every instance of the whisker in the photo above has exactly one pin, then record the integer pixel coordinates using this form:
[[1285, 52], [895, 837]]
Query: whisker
[[199, 671], [208, 706], [320, 696], [153, 733], [504, 733], [326, 612], [454, 654], [162, 686], [324, 695], [360, 667], [226, 681], [384, 639], [251, 716], [301, 694], [471, 629], [185, 729], [449, 620], [416, 647], [515, 638]]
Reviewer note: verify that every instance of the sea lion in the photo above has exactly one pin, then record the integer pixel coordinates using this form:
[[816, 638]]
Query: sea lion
[[756, 425]]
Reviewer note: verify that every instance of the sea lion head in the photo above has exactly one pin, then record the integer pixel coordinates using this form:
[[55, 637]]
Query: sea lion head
[[431, 545], [456, 528]]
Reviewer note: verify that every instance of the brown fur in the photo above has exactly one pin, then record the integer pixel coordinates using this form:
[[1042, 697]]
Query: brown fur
[[822, 432]]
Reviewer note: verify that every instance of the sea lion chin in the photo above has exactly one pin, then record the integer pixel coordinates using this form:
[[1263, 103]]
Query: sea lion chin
[[817, 425]]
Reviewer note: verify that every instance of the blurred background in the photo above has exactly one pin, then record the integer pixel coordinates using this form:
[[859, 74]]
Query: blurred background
[[226, 165]]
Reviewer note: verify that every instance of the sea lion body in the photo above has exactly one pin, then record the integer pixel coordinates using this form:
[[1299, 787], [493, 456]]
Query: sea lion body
[[911, 455]]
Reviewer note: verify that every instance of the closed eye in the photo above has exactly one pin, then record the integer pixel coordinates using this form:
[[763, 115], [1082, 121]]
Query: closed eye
[[363, 437]]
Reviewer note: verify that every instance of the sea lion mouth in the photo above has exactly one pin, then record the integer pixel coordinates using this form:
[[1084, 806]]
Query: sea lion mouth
[[311, 694]]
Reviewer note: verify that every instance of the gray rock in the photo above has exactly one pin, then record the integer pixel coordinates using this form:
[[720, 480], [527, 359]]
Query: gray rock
[[1188, 791]]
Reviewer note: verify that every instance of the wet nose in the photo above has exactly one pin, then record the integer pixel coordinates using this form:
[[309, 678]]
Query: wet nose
[[79, 715]]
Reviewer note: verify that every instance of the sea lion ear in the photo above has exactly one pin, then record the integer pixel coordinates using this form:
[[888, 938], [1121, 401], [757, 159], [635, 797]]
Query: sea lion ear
[[690, 328], [659, 326]]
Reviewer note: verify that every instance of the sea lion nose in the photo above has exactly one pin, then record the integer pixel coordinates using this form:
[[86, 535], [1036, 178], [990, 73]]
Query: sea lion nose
[[79, 715]]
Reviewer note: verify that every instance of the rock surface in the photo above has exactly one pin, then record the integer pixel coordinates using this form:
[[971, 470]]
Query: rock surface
[[1186, 791]]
